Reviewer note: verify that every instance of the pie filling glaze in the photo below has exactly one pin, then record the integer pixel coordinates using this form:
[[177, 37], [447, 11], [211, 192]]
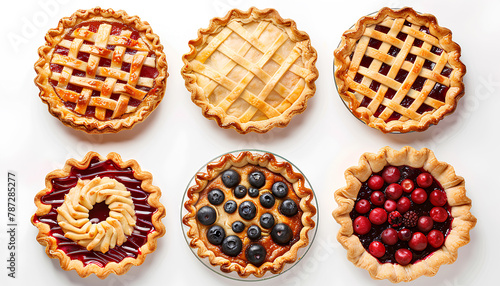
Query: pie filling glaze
[[399, 71], [100, 215], [248, 217]]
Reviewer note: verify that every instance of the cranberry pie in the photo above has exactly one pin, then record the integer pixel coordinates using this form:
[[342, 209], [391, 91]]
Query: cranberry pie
[[251, 71], [101, 70], [402, 214], [249, 213], [100, 215], [399, 71]]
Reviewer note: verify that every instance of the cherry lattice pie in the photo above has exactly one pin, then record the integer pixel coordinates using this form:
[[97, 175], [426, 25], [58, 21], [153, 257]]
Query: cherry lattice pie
[[101, 71]]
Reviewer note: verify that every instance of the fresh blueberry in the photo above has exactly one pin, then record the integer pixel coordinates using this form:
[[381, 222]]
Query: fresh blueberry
[[216, 235], [256, 254], [240, 191], [230, 206], [288, 207], [206, 215], [281, 233], [254, 232], [279, 189], [253, 192], [266, 200], [230, 178], [232, 245], [238, 226], [267, 220], [247, 210], [215, 197], [257, 179]]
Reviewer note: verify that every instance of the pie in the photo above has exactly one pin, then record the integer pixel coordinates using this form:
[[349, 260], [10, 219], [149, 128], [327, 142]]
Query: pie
[[399, 71], [101, 71], [100, 215], [250, 71], [249, 213], [402, 214]]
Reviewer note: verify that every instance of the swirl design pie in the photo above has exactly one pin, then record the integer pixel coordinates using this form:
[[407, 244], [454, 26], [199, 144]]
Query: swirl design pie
[[73, 214]]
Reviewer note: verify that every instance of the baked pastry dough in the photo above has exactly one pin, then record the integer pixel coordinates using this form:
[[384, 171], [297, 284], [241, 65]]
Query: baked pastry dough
[[460, 221], [399, 71], [101, 71], [265, 217], [100, 215], [250, 71]]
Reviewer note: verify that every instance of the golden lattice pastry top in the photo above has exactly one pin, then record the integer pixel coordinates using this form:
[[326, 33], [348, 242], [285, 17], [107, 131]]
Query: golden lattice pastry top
[[251, 70], [101, 70], [398, 71]]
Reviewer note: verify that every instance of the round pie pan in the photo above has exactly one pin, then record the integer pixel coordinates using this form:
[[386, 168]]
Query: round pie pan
[[233, 275]]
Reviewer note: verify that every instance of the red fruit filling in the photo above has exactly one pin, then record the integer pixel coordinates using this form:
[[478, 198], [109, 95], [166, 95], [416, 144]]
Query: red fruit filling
[[415, 228]]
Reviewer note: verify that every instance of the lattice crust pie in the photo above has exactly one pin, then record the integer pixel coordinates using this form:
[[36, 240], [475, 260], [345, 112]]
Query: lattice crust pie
[[251, 70], [249, 213], [402, 214], [100, 215], [399, 71], [101, 70]]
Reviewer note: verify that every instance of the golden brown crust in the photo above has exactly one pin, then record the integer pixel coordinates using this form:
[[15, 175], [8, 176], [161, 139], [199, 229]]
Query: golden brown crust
[[92, 125], [453, 185], [418, 123], [51, 248], [277, 116], [267, 161]]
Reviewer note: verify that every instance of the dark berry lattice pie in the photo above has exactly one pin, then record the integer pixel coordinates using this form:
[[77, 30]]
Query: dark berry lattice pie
[[399, 71], [101, 215], [101, 70], [249, 213], [403, 214]]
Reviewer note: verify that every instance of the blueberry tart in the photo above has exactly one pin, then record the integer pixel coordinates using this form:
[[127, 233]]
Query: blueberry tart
[[100, 215], [399, 71], [101, 71], [251, 70], [249, 232], [402, 214]]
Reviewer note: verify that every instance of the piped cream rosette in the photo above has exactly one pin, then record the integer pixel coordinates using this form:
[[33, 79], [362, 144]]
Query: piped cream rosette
[[73, 214]]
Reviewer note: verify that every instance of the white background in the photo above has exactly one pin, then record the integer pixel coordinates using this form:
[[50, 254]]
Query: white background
[[176, 139]]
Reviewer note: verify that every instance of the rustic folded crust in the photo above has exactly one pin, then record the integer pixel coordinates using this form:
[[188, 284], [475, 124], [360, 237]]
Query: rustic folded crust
[[251, 71], [269, 162], [365, 101], [453, 185], [45, 237], [124, 115]]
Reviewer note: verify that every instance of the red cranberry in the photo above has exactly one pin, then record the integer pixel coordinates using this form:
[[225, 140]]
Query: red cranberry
[[418, 241], [438, 198], [424, 180], [404, 234], [419, 196], [403, 205], [439, 214], [391, 174], [390, 205], [389, 236], [403, 256], [375, 182], [378, 216], [425, 223], [435, 238], [377, 249], [362, 206], [393, 191], [362, 225], [377, 198], [407, 185]]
